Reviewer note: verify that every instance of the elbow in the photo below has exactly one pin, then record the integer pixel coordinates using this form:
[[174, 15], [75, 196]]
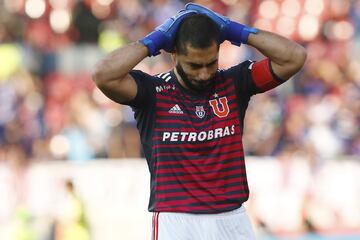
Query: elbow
[[300, 56], [295, 61], [97, 75], [103, 74], [298, 60]]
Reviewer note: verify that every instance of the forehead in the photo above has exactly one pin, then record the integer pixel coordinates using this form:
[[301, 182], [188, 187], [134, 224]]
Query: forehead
[[200, 55]]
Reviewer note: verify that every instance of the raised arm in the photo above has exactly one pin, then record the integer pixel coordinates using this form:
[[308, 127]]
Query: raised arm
[[111, 74], [286, 56]]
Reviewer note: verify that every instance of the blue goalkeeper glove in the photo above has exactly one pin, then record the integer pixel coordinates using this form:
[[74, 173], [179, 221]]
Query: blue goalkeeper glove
[[232, 31], [163, 37]]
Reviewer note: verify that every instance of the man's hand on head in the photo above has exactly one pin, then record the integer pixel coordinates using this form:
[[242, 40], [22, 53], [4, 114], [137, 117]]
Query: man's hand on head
[[163, 36], [232, 31]]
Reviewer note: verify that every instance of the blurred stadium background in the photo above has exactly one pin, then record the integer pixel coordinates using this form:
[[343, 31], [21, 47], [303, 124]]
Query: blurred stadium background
[[302, 139]]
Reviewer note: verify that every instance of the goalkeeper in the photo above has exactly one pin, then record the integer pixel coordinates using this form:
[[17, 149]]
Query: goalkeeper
[[191, 118]]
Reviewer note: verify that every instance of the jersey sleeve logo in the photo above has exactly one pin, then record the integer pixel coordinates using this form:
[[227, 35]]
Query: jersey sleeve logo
[[166, 76], [224, 111]]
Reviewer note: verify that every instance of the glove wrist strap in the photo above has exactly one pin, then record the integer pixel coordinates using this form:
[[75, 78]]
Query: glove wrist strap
[[239, 33], [153, 41]]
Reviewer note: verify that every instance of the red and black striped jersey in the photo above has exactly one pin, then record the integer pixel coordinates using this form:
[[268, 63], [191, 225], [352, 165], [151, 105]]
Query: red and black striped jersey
[[193, 142]]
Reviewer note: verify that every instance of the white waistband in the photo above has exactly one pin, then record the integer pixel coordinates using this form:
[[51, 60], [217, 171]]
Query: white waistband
[[239, 210]]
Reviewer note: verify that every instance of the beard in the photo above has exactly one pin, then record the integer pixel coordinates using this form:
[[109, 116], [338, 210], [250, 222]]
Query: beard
[[193, 84]]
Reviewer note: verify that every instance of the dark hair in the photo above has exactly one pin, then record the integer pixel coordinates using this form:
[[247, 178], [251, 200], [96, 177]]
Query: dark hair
[[197, 30]]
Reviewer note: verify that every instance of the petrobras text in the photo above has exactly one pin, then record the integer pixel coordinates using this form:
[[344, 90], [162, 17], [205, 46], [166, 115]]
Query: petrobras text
[[198, 136]]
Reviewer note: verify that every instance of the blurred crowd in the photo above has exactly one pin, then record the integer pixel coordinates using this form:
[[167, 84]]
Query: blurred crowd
[[50, 108]]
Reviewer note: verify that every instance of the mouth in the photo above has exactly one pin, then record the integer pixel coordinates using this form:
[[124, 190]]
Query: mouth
[[201, 83], [193, 83]]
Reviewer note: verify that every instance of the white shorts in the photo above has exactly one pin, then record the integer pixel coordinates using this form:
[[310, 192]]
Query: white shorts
[[232, 225]]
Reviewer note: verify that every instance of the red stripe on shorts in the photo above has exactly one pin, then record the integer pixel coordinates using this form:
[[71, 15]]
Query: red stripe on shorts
[[155, 219]]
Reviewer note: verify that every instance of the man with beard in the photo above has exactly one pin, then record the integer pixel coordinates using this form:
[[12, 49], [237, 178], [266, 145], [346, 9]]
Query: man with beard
[[190, 119]]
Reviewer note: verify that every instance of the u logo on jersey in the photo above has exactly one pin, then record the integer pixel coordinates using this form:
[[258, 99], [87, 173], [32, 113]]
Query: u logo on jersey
[[224, 111]]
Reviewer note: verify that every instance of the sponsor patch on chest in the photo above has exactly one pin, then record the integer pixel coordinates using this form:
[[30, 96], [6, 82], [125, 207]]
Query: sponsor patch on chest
[[198, 136]]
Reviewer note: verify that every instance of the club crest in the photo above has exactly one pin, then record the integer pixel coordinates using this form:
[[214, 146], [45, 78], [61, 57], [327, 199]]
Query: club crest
[[200, 112]]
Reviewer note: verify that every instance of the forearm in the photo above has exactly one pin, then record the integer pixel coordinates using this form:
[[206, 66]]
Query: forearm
[[287, 56], [275, 47], [117, 64]]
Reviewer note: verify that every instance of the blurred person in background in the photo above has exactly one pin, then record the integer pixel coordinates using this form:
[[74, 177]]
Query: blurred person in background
[[191, 118], [71, 223]]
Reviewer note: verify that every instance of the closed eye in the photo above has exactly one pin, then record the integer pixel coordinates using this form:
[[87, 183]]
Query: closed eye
[[198, 66], [212, 63], [195, 66]]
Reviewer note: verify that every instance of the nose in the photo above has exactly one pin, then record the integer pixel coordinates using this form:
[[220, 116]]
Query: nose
[[204, 74]]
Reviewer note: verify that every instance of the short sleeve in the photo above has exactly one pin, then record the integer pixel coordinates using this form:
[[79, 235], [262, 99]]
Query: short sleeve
[[254, 77], [145, 90], [243, 79]]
